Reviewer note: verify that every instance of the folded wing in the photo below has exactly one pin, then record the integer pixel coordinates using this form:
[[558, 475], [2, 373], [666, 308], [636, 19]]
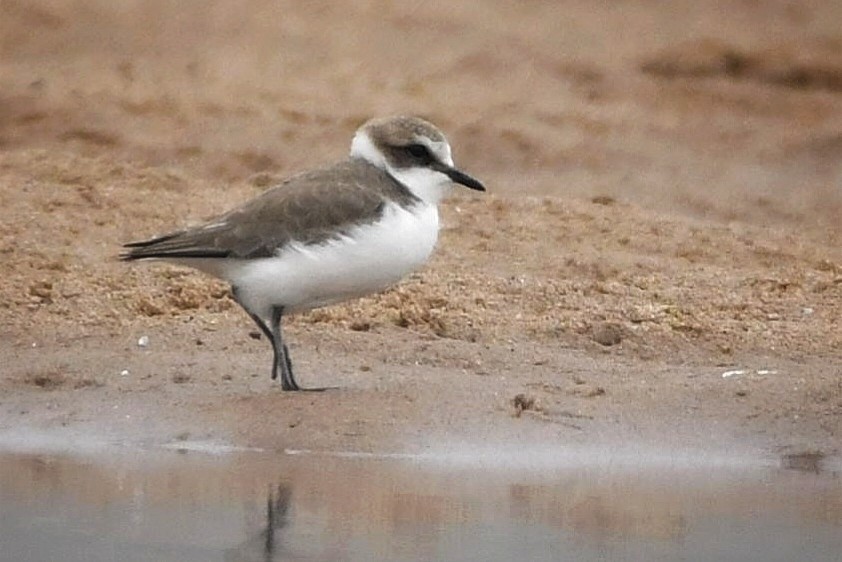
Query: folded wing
[[309, 208]]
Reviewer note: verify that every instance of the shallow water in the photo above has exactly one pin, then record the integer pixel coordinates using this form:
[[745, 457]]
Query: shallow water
[[117, 504]]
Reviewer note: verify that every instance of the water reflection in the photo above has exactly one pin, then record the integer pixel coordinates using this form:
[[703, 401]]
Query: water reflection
[[267, 545], [252, 507]]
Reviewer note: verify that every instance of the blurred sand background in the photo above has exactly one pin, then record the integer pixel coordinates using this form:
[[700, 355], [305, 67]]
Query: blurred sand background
[[665, 189]]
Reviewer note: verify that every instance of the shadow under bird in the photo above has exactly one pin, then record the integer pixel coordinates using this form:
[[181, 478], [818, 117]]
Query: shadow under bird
[[328, 234]]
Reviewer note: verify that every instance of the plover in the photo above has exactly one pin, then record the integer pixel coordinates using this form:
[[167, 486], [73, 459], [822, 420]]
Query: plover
[[325, 235]]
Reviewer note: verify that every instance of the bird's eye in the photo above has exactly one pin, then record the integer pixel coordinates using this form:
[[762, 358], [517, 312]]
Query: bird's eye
[[418, 150]]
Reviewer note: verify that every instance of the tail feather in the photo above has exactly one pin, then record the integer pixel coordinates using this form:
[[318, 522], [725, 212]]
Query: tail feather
[[151, 241], [168, 246]]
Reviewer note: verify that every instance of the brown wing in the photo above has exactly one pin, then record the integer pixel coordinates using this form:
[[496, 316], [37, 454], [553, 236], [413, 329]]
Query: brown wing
[[309, 208]]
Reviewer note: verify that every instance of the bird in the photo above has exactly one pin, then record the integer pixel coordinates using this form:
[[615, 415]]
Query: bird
[[325, 235]]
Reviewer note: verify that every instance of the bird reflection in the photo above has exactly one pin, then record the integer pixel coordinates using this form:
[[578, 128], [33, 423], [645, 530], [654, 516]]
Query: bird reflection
[[266, 546]]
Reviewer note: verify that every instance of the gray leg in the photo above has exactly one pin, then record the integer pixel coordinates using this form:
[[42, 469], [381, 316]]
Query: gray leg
[[282, 359], [286, 356], [266, 332]]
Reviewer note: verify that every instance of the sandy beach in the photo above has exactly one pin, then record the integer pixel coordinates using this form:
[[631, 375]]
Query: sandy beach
[[657, 259]]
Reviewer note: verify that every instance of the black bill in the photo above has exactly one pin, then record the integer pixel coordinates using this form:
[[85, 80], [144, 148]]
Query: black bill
[[460, 177]]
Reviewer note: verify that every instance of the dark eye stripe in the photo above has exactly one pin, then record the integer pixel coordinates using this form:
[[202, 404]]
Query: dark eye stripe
[[418, 151]]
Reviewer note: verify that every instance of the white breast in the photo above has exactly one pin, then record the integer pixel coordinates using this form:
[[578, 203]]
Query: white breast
[[367, 259]]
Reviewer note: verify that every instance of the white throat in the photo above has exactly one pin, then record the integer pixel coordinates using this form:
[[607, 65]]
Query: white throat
[[428, 185]]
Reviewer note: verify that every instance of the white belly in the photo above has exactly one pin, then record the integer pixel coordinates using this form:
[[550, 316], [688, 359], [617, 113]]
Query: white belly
[[368, 259]]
